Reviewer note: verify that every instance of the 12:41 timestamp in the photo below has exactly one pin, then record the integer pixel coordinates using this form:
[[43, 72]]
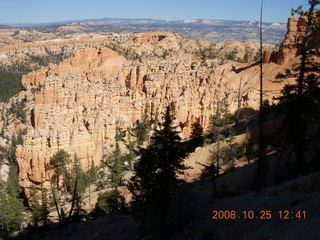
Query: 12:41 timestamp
[[261, 215], [286, 215]]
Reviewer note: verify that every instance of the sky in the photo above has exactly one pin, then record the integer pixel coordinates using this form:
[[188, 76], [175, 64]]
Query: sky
[[42, 11]]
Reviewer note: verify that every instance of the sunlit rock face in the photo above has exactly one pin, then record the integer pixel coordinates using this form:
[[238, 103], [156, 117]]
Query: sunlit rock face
[[294, 37]]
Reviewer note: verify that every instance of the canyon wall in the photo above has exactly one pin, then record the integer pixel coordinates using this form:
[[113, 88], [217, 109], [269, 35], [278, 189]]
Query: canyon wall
[[78, 104]]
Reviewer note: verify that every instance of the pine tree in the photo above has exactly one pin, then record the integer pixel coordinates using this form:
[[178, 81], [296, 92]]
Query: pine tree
[[39, 206], [300, 101], [11, 209], [92, 173], [155, 176], [112, 201], [11, 205], [35, 206], [91, 177], [78, 173], [221, 130], [115, 163], [58, 163], [79, 184], [44, 207], [196, 130]]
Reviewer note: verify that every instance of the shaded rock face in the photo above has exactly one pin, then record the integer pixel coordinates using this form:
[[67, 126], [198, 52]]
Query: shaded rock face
[[77, 104]]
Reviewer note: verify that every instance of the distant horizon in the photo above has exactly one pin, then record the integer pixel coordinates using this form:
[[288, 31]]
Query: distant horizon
[[123, 18], [40, 12]]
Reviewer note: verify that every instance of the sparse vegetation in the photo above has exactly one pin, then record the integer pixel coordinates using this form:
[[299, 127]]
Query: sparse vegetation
[[37, 89], [232, 55], [18, 109], [128, 53], [225, 53], [205, 53], [49, 57], [10, 79], [11, 74]]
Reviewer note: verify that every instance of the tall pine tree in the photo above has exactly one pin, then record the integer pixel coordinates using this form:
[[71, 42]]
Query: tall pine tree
[[300, 101], [155, 176], [222, 133], [11, 205]]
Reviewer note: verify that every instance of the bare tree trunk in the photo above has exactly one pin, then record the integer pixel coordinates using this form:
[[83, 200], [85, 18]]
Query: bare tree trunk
[[262, 163], [89, 194], [65, 183], [217, 166], [239, 102], [55, 200], [73, 197], [247, 142], [214, 185]]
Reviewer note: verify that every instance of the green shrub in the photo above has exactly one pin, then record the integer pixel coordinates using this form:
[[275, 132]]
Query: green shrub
[[197, 129], [110, 202], [232, 55]]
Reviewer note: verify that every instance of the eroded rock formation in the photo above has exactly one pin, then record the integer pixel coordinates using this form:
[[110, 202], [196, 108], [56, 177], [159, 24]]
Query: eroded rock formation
[[77, 104], [289, 47]]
